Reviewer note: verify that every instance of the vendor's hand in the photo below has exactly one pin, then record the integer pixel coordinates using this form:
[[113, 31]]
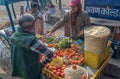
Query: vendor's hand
[[81, 33], [49, 34], [45, 33]]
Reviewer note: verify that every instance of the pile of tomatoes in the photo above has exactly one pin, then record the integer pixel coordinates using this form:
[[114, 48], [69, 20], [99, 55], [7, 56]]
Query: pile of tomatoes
[[57, 70], [72, 56], [76, 58]]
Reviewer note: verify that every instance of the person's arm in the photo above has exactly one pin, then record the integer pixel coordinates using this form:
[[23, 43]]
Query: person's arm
[[39, 26], [60, 23], [39, 47], [86, 24], [86, 21]]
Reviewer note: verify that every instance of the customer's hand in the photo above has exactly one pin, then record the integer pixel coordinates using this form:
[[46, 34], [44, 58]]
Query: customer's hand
[[49, 57], [47, 34]]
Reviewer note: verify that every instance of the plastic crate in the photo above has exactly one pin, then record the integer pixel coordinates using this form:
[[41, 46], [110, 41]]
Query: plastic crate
[[95, 60]]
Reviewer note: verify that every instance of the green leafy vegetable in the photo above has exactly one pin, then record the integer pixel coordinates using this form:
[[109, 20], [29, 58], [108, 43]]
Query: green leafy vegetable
[[64, 43]]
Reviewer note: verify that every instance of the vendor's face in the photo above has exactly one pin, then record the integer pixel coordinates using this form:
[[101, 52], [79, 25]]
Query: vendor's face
[[34, 10], [74, 9]]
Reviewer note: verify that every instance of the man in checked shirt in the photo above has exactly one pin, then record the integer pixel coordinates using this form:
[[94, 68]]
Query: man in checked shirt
[[25, 50]]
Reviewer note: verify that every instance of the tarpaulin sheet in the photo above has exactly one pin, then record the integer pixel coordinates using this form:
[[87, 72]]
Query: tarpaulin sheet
[[105, 9], [103, 2]]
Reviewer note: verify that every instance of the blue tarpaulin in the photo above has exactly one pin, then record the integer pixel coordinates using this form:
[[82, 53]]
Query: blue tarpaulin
[[105, 9], [103, 2]]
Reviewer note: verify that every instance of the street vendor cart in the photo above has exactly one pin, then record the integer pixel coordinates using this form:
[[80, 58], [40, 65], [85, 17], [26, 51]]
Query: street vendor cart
[[94, 72], [75, 60]]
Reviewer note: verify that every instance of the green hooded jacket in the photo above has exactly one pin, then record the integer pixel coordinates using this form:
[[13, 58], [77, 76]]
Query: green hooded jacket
[[25, 62]]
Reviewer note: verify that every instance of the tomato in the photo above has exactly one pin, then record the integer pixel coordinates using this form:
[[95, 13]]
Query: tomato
[[74, 52], [76, 62], [76, 57], [73, 62], [67, 50], [70, 60], [58, 51], [63, 68], [71, 55], [54, 71], [62, 75], [58, 67], [68, 57], [59, 54], [74, 66], [82, 54], [58, 74], [83, 76], [47, 65], [64, 65], [62, 71], [62, 54], [54, 68], [42, 58], [59, 70], [69, 78], [55, 56], [50, 68], [50, 44], [82, 60]]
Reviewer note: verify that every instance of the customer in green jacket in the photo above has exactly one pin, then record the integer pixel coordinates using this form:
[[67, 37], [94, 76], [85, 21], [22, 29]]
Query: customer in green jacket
[[25, 50]]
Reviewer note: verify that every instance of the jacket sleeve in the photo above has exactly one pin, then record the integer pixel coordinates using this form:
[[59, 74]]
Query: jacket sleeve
[[86, 20], [60, 23], [39, 47]]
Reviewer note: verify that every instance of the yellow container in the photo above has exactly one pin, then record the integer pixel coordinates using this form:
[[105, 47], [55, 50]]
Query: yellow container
[[95, 60]]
